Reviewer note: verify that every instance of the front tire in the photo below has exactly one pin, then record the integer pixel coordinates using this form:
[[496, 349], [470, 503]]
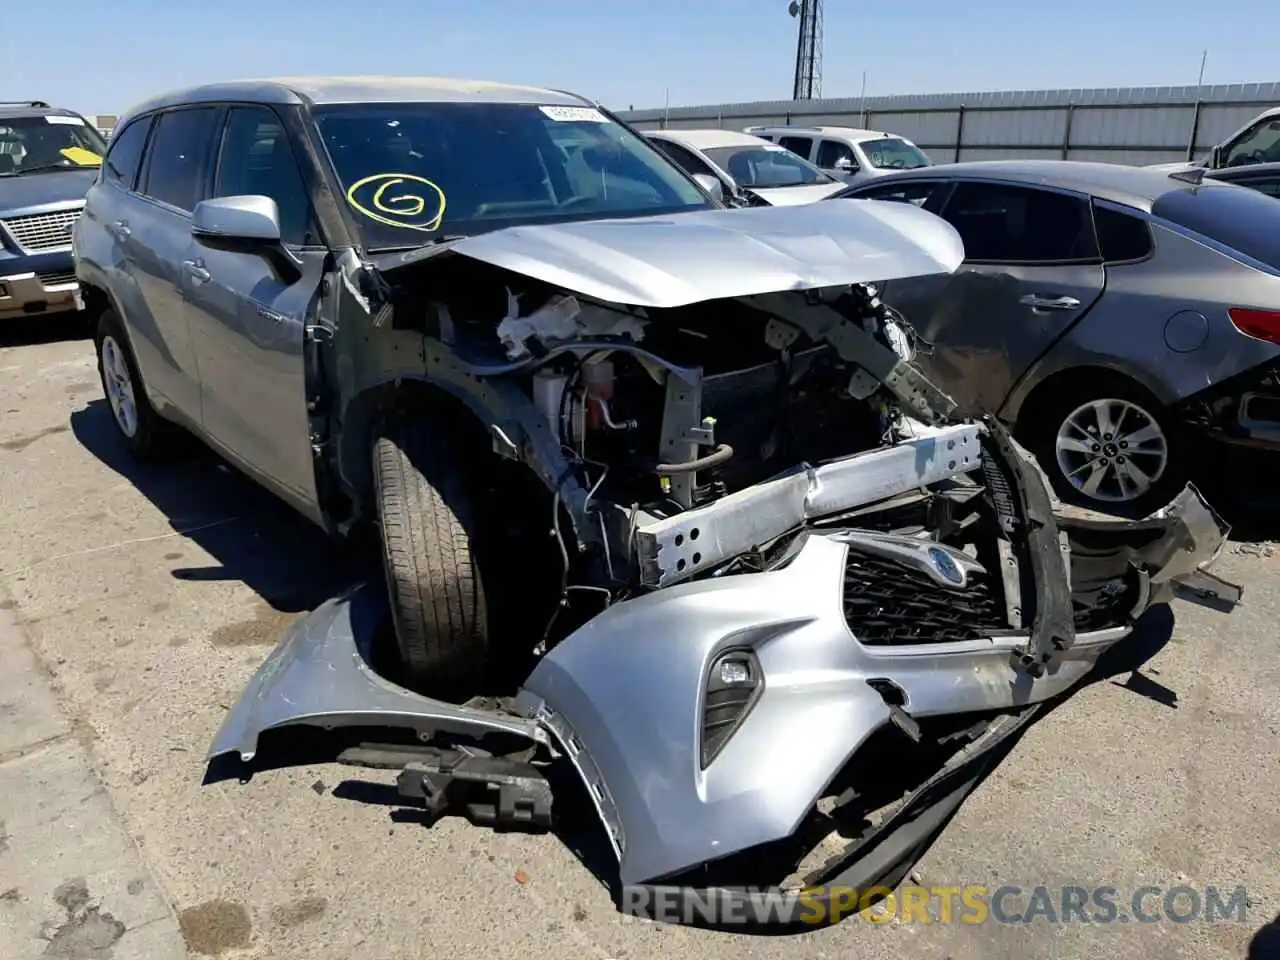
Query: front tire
[[1109, 445], [428, 550], [147, 435]]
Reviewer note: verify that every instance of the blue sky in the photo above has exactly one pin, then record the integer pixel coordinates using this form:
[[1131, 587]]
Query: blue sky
[[102, 57]]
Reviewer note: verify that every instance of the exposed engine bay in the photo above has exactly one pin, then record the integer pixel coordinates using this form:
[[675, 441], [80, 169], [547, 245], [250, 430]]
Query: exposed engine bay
[[662, 424]]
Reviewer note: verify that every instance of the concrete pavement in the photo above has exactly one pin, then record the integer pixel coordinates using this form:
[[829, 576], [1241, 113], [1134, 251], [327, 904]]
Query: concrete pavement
[[150, 596]]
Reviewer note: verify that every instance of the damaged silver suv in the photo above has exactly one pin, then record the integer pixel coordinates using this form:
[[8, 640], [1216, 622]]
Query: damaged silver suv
[[671, 458], [547, 363]]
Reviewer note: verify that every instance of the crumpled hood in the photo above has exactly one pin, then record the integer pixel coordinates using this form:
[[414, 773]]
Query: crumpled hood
[[671, 261], [790, 196], [19, 193]]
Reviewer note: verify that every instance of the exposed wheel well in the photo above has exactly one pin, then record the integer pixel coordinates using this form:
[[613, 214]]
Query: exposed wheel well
[[96, 300], [416, 398], [1075, 380]]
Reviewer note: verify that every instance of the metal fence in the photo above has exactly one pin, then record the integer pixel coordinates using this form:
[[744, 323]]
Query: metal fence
[[1137, 125]]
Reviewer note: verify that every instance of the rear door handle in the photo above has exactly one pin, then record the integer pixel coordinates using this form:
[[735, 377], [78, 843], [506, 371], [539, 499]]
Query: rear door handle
[[120, 229], [196, 271], [1038, 302]]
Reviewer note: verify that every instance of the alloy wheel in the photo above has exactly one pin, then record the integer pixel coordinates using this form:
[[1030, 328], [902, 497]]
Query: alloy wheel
[[1112, 450], [119, 387]]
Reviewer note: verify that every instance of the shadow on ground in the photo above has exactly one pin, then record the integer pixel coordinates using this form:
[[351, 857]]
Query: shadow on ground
[[253, 537], [44, 328]]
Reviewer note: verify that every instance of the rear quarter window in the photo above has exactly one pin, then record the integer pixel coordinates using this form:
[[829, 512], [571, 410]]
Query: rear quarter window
[[1240, 218]]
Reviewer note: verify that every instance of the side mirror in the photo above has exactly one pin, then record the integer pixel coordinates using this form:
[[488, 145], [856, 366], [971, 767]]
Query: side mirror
[[236, 222], [248, 224], [844, 165], [1215, 158], [712, 185]]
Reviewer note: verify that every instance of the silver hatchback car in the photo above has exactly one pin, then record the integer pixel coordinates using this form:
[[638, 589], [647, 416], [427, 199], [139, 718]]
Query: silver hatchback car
[[1112, 313]]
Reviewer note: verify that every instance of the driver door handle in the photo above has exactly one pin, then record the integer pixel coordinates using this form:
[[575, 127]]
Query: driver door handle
[[196, 271], [1038, 302], [120, 229]]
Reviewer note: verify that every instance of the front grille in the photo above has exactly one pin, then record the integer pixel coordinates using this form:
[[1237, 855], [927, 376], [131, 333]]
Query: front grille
[[40, 232], [57, 279], [887, 603]]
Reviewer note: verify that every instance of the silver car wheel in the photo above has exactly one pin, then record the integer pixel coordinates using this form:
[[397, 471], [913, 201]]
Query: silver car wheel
[[1112, 450], [119, 387]]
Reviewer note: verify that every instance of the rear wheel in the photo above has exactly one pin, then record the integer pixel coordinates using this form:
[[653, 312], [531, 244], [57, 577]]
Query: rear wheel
[[428, 549], [1107, 444], [148, 435]]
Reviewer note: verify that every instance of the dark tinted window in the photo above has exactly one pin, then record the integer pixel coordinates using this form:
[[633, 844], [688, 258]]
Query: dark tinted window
[[257, 160], [766, 165], [831, 152], [1020, 224], [179, 155], [125, 155], [917, 193], [1121, 236], [800, 145], [1243, 219], [681, 157]]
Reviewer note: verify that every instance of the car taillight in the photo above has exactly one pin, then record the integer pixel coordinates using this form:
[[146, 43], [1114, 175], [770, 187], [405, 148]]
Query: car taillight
[[1263, 324]]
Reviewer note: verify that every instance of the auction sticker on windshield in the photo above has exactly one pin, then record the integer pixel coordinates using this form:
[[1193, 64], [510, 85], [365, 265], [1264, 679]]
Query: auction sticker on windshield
[[69, 121], [575, 114]]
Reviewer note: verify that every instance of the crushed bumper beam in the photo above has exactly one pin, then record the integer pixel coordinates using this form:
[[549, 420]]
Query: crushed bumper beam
[[679, 547]]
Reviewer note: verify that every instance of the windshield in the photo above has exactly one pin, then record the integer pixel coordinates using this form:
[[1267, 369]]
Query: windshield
[[418, 171], [41, 143], [890, 153], [766, 165]]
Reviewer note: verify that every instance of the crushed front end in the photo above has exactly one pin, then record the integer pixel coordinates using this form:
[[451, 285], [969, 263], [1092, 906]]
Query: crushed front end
[[808, 600]]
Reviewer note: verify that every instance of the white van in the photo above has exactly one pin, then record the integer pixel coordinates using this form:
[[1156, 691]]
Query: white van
[[847, 153]]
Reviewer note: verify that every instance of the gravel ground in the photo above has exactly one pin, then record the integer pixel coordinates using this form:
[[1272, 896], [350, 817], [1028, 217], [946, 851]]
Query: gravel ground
[[150, 596]]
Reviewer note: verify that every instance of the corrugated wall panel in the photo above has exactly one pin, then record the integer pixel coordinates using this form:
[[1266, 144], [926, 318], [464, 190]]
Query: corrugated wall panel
[[937, 127], [1029, 153], [1009, 128], [1116, 124]]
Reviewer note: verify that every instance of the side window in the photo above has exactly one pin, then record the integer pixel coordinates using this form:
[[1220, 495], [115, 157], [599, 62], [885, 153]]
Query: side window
[[832, 152], [801, 145], [125, 156], [1020, 224], [683, 158], [917, 193], [179, 156], [256, 159], [1121, 237], [1259, 145]]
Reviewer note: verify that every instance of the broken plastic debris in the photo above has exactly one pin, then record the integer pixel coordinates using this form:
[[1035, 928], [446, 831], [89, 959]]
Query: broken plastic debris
[[521, 877], [561, 319]]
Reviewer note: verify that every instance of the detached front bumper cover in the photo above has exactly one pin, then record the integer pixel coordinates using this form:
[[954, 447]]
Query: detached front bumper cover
[[623, 697]]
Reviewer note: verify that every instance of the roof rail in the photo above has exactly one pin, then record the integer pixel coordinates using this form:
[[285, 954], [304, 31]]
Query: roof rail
[[24, 103]]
